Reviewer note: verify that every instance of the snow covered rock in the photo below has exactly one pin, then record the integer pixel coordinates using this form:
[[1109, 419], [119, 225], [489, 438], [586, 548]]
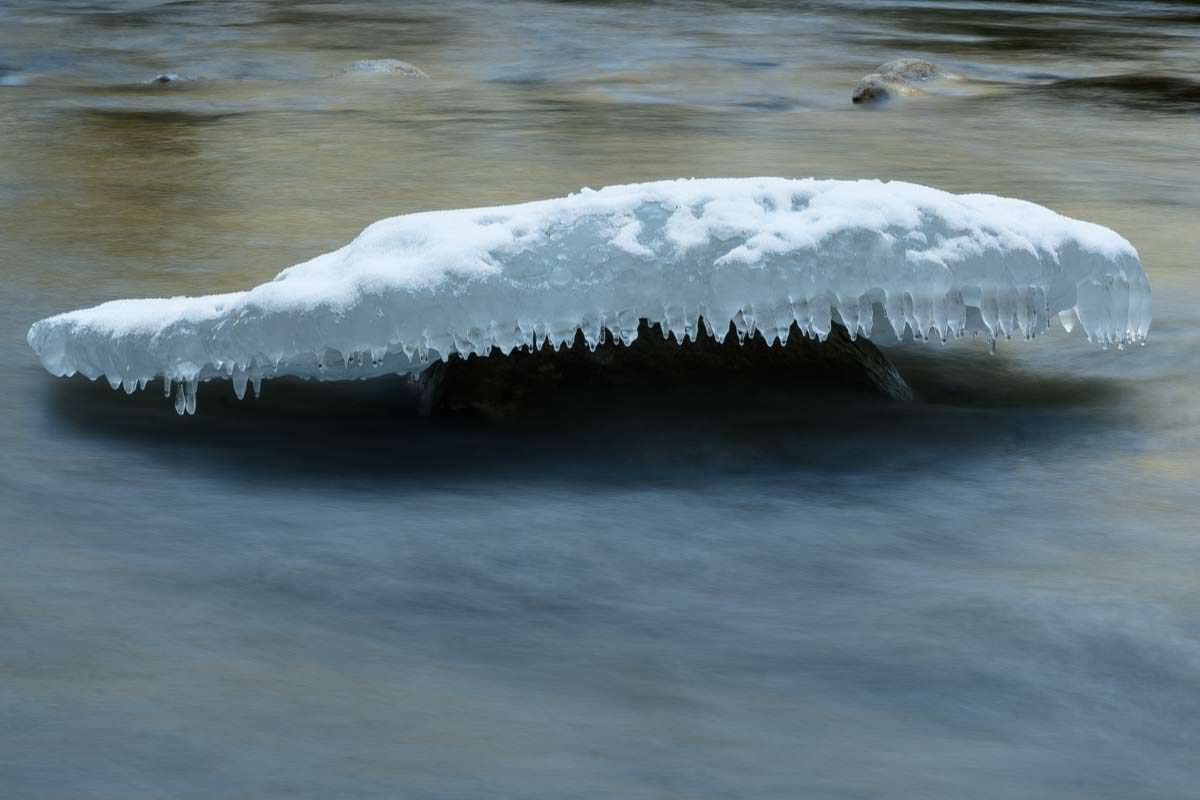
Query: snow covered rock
[[760, 253]]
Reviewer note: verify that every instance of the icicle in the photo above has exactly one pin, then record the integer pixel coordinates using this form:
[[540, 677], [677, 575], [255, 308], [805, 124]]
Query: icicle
[[866, 315], [180, 400], [802, 311], [491, 337], [751, 318], [688, 333], [256, 385], [166, 386], [848, 310], [822, 321], [922, 314], [675, 320], [906, 306], [541, 332], [1026, 312], [956, 313], [989, 312], [783, 322], [1093, 309], [190, 396], [627, 321], [1006, 310], [937, 318], [462, 344], [1142, 315], [240, 379], [1119, 310], [893, 307], [130, 385], [592, 330], [564, 336], [1041, 311]]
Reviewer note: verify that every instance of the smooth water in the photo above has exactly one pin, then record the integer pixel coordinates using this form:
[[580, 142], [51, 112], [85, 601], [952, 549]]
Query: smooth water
[[743, 593]]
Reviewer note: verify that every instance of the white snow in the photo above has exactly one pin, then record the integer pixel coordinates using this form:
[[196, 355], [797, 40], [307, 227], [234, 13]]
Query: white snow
[[760, 252]]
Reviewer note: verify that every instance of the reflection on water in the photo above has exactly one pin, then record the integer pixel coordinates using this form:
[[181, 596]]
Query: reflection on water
[[740, 591]]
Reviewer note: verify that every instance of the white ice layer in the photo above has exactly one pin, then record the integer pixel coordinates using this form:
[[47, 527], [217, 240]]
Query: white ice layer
[[759, 252]]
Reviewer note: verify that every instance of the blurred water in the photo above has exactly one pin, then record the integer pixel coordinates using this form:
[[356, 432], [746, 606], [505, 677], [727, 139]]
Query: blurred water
[[991, 593]]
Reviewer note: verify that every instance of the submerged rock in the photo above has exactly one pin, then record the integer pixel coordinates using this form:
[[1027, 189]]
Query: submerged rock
[[168, 78], [387, 66], [911, 69], [497, 385], [896, 78]]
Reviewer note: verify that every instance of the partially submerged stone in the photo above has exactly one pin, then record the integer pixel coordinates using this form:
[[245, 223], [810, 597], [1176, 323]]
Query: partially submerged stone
[[896, 78], [911, 69], [876, 86]]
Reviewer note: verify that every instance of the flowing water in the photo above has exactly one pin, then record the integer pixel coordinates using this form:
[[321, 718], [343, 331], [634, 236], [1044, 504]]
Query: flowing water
[[988, 593]]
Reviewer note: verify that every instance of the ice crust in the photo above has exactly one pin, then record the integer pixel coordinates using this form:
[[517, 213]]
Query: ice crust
[[761, 253]]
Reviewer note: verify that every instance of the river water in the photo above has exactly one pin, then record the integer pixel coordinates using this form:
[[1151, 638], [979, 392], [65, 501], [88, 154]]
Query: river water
[[989, 593]]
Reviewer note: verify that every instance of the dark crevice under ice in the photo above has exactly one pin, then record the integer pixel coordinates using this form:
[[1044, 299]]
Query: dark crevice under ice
[[502, 385]]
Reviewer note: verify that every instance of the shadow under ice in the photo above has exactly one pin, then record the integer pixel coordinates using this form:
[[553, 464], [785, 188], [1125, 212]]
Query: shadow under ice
[[645, 425]]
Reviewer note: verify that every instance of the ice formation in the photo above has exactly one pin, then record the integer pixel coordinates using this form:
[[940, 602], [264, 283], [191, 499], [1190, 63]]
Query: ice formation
[[761, 253]]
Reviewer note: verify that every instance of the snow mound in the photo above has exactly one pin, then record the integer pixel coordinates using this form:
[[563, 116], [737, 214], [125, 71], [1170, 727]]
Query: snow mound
[[761, 253]]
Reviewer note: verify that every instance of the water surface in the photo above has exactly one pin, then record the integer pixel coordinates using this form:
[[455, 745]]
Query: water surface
[[749, 593]]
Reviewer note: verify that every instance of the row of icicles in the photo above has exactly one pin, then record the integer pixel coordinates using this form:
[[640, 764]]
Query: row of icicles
[[1003, 313]]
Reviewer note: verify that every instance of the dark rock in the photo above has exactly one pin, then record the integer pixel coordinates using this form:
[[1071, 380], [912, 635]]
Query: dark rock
[[655, 367]]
